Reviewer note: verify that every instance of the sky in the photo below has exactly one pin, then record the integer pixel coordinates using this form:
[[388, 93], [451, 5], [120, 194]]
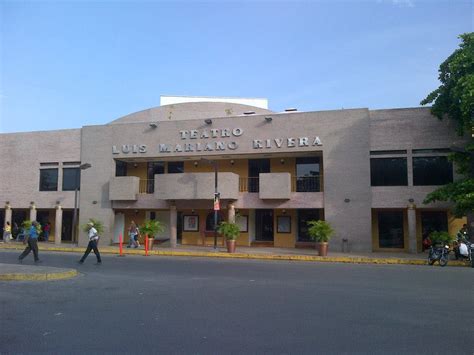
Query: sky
[[68, 64]]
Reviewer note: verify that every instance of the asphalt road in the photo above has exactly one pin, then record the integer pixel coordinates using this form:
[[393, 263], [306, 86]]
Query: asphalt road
[[139, 304]]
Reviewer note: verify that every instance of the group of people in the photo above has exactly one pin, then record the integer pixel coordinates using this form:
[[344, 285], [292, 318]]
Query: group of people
[[16, 233], [31, 240]]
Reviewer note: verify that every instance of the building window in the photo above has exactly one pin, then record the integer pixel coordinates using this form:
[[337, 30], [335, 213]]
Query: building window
[[48, 180], [71, 179], [120, 168], [390, 225], [210, 220], [388, 172], [307, 174], [432, 171], [175, 167], [304, 216]]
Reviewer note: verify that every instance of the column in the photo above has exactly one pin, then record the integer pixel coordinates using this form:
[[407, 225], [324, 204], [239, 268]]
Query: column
[[173, 226], [412, 228], [58, 224], [8, 215], [231, 213], [32, 212]]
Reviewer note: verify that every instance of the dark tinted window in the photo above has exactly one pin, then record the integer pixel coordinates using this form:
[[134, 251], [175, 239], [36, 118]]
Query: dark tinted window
[[120, 168], [432, 171], [388, 172], [175, 167], [390, 229], [48, 179], [307, 174], [71, 179], [304, 216], [210, 220]]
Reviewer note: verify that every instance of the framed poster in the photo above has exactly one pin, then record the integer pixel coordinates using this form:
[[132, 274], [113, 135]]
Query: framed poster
[[283, 224], [190, 223], [242, 222]]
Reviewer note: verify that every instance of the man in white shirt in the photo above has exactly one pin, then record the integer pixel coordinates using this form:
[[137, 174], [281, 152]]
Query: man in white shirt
[[93, 239]]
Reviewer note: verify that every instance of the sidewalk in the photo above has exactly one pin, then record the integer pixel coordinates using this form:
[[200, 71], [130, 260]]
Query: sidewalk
[[261, 253]]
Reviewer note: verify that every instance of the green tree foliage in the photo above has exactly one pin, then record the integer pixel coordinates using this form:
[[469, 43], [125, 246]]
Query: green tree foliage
[[454, 99]]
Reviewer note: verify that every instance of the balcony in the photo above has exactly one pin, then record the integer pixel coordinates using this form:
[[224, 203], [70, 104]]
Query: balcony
[[298, 184], [124, 188], [195, 186]]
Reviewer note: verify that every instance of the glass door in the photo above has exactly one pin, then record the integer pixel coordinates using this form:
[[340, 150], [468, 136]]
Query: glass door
[[264, 225]]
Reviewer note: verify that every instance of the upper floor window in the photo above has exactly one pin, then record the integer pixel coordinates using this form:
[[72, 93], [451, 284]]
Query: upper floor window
[[432, 171], [307, 174], [120, 168], [388, 172], [48, 180], [175, 167], [71, 179]]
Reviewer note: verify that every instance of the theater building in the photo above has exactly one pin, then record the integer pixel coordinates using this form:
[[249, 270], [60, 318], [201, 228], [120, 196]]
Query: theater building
[[364, 171]]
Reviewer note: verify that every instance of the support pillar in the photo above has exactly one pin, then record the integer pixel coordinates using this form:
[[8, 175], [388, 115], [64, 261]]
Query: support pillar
[[173, 226], [8, 215], [32, 212], [412, 247], [231, 213], [58, 224]]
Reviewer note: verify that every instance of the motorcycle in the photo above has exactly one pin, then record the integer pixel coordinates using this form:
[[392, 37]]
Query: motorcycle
[[438, 253], [464, 250]]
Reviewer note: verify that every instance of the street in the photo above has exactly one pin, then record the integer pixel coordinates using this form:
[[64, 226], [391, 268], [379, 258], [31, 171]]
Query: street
[[138, 304]]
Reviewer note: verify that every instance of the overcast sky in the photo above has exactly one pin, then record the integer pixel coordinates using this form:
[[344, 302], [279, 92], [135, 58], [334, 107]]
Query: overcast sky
[[67, 64]]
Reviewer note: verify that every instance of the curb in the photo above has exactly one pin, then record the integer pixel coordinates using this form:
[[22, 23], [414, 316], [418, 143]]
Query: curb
[[310, 258], [39, 277]]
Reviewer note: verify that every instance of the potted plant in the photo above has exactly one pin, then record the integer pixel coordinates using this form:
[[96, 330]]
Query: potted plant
[[98, 225], [321, 232], [230, 231], [150, 228]]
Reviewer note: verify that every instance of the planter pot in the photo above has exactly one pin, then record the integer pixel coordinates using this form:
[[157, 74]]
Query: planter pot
[[230, 246], [150, 243], [323, 249]]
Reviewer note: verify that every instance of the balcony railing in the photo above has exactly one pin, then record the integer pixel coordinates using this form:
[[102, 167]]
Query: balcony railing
[[298, 184], [147, 186]]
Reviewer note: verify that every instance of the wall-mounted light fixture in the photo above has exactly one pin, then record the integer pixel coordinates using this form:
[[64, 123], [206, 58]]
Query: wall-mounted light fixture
[[195, 164], [411, 200], [283, 211], [32, 202], [208, 121], [249, 112], [282, 161], [135, 165], [58, 202], [232, 162], [7, 202], [136, 211], [153, 124], [291, 109], [347, 200], [268, 119], [193, 211], [94, 202]]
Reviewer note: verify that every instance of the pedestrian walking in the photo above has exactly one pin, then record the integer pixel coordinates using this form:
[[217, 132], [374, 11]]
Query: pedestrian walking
[[93, 241], [31, 239], [133, 234], [7, 233]]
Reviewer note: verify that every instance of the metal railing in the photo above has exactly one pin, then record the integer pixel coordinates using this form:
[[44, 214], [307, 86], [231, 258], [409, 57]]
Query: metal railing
[[146, 186], [306, 184]]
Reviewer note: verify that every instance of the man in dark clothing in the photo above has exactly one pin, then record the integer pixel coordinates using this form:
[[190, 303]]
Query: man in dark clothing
[[32, 240]]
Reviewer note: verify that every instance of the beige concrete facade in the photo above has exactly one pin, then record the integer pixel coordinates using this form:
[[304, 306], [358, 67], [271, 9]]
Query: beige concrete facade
[[198, 135]]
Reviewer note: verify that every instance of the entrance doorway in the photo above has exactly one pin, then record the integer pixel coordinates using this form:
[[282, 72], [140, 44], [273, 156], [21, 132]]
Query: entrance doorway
[[179, 227], [66, 232], [264, 225]]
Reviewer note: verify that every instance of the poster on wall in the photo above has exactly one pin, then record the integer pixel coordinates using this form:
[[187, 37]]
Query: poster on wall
[[190, 223], [283, 224], [242, 222]]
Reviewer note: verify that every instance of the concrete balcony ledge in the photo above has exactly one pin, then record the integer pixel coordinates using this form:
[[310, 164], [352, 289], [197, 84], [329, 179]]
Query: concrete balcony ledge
[[195, 186], [275, 186], [124, 188]]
